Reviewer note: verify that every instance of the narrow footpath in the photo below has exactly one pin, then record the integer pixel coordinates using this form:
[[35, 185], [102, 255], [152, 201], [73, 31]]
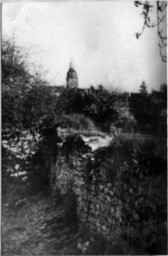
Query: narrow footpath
[[35, 225]]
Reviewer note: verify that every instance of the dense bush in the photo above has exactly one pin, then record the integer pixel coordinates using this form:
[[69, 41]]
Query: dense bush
[[78, 122], [102, 106], [27, 105], [26, 97], [144, 152], [149, 110]]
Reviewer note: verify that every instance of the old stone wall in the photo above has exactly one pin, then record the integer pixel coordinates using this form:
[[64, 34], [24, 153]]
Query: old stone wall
[[117, 205]]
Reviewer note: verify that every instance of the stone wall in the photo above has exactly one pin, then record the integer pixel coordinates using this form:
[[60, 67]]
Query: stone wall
[[113, 201]]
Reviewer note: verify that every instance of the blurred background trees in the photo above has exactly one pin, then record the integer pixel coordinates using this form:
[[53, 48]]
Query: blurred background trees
[[150, 110]]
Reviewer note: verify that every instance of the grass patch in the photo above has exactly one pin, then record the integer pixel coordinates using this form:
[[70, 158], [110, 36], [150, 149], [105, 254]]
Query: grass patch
[[147, 144]]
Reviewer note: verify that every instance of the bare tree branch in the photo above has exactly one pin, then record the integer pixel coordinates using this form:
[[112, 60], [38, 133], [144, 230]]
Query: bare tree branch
[[147, 12]]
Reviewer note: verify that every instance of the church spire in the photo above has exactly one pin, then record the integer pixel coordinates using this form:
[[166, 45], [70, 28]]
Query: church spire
[[72, 77], [71, 65]]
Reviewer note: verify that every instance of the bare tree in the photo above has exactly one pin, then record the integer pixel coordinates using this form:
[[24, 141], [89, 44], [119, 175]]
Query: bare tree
[[155, 15]]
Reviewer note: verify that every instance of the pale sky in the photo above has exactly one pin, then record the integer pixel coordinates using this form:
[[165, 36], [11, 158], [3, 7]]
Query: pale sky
[[99, 36]]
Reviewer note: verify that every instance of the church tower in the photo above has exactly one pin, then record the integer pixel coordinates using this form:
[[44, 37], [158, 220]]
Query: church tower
[[72, 78]]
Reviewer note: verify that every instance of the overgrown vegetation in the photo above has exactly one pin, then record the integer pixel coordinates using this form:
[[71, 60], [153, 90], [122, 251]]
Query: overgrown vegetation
[[35, 124], [27, 107], [78, 122], [150, 110], [102, 106], [31, 114], [136, 166]]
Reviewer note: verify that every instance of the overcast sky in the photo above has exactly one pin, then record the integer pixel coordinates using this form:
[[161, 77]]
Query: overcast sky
[[99, 36]]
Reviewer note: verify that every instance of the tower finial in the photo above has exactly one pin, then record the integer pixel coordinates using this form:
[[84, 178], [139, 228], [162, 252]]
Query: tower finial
[[71, 64]]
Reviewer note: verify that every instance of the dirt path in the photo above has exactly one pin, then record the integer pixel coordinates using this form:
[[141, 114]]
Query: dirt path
[[35, 226]]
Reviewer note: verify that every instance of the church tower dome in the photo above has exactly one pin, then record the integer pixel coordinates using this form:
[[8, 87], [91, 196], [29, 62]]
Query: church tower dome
[[72, 77]]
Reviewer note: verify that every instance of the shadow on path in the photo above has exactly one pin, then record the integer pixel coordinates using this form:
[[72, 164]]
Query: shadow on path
[[35, 225]]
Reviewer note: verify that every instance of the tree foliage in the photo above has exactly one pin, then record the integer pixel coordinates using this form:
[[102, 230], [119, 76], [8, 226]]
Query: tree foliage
[[27, 105], [26, 99], [143, 89], [102, 106], [149, 110]]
